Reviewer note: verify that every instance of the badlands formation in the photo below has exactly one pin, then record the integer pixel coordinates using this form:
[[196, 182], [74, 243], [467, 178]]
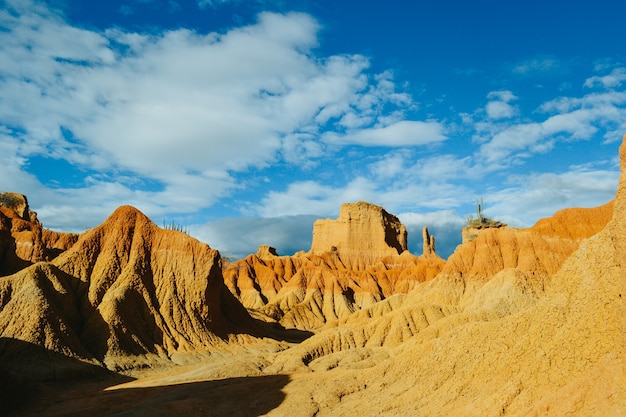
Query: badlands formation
[[131, 319]]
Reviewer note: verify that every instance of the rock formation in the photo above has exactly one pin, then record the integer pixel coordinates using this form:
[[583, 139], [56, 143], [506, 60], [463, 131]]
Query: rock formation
[[126, 293], [266, 251], [23, 240], [474, 344], [362, 233], [354, 262], [429, 243], [256, 279], [19, 204]]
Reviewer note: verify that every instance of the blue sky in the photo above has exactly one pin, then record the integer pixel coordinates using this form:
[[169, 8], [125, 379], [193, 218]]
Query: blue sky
[[244, 121]]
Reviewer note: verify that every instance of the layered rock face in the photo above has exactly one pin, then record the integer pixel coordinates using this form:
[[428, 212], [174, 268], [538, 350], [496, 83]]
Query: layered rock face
[[126, 293], [23, 240], [361, 234], [355, 261]]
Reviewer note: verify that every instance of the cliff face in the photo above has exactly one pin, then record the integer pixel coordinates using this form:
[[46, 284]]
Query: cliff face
[[361, 234], [23, 240]]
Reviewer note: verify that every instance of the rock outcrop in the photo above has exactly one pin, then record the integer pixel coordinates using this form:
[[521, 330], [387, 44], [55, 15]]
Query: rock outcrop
[[354, 262], [361, 234], [266, 251], [429, 243], [19, 204], [23, 240]]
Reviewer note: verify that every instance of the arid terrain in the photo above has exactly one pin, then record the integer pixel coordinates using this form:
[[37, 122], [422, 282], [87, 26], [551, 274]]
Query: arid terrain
[[131, 319]]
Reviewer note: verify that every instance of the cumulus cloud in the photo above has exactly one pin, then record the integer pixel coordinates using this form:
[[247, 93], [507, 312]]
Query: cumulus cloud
[[614, 79], [534, 196], [498, 107], [500, 110], [567, 119], [182, 110]]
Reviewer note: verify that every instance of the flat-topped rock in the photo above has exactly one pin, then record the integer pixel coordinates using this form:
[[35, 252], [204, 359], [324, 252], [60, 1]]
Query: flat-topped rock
[[362, 230]]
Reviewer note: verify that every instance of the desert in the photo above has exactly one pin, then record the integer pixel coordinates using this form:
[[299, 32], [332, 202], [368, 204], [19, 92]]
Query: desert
[[129, 318], [312, 208]]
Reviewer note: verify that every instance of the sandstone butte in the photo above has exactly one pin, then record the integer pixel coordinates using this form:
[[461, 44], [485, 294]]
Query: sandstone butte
[[517, 322]]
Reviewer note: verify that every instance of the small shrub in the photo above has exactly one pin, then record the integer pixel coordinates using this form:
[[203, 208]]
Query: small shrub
[[481, 221], [9, 200]]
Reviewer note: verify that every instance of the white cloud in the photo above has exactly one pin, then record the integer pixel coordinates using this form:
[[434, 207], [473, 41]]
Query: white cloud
[[502, 95], [612, 80], [183, 109], [311, 197], [575, 119], [540, 195], [498, 107], [402, 133], [396, 194], [391, 165], [500, 110]]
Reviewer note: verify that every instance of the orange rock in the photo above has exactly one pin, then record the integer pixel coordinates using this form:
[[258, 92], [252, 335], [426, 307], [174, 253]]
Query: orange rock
[[362, 233], [354, 262], [127, 292], [23, 240]]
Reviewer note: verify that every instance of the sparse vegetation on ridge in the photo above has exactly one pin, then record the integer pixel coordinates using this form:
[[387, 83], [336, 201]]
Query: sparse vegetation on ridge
[[175, 226], [481, 221], [9, 200]]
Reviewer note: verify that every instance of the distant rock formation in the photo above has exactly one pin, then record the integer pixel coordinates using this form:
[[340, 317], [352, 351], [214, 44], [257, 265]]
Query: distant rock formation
[[429, 243], [362, 233], [266, 251], [354, 262]]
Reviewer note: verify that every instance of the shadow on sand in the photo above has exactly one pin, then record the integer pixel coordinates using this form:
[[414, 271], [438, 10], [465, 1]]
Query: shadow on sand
[[37, 381], [241, 396]]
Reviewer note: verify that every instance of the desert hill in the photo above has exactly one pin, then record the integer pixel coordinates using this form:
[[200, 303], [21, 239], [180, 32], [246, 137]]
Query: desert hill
[[517, 322], [127, 293]]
